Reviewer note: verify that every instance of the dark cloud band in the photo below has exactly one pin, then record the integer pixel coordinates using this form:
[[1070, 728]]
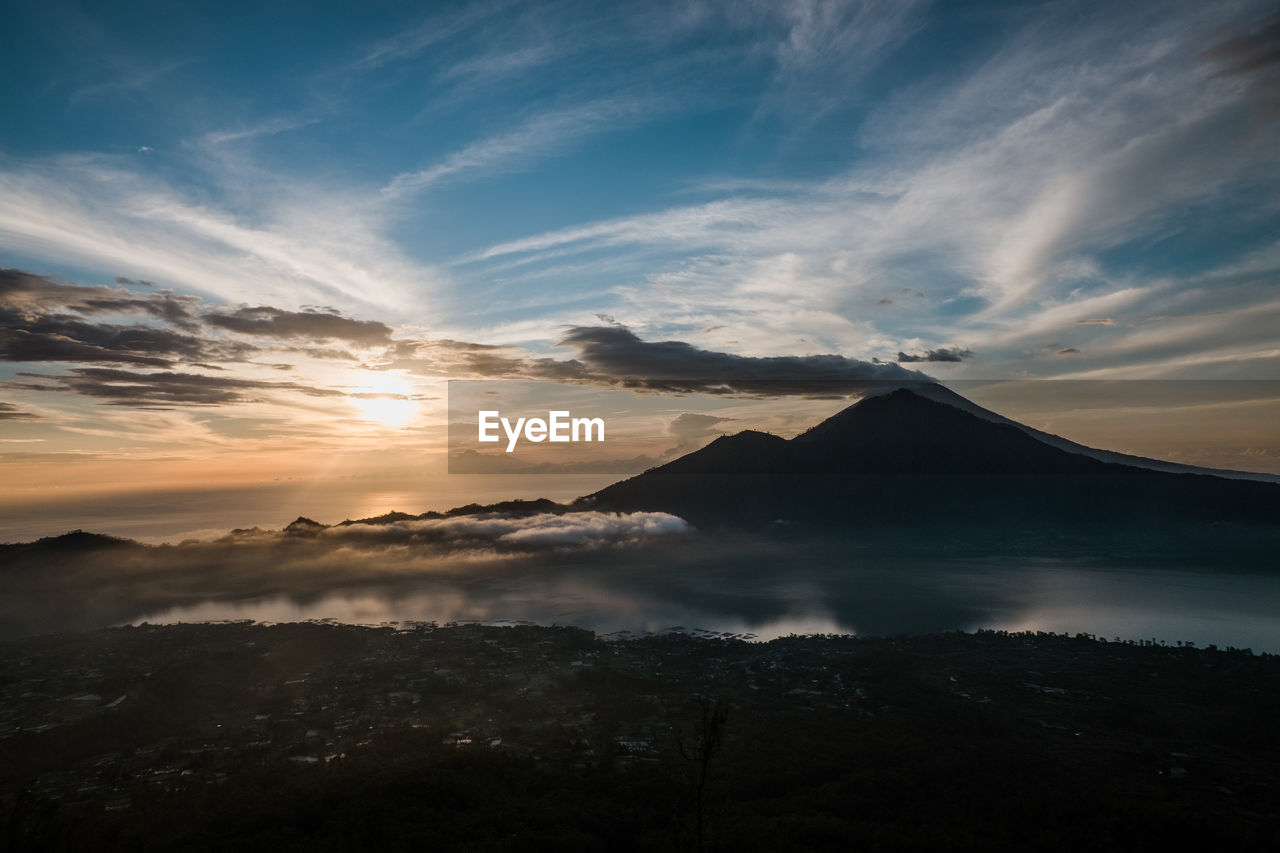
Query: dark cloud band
[[133, 388], [944, 354], [48, 321], [616, 355], [317, 325]]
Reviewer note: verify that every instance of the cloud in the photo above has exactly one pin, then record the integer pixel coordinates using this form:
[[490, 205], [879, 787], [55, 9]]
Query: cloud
[[39, 292], [539, 136], [10, 412], [615, 356], [127, 76], [657, 576], [412, 41], [56, 337], [1252, 51], [318, 325], [281, 241], [694, 428], [943, 354], [131, 388], [503, 63], [100, 580], [618, 356], [1037, 179], [279, 124], [721, 223], [469, 360], [576, 531], [483, 530], [821, 41], [1024, 171], [43, 320]]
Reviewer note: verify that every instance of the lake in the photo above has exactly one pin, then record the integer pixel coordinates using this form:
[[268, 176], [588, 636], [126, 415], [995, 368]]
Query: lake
[[875, 596]]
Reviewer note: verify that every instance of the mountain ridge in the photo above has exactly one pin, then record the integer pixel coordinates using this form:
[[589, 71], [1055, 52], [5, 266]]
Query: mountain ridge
[[902, 457], [942, 394], [909, 457]]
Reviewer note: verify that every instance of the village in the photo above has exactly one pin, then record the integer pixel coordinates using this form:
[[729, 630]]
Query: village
[[130, 720]]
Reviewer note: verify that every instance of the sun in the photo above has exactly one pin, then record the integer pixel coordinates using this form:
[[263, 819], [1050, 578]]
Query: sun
[[385, 397]]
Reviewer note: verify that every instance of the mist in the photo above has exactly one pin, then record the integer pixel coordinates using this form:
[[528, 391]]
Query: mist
[[638, 572]]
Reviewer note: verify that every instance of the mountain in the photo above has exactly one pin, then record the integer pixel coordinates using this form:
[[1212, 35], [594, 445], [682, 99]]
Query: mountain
[[926, 461], [75, 541], [942, 394], [913, 465]]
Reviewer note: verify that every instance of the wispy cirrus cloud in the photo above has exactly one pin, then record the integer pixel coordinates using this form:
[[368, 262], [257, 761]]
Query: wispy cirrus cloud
[[541, 135], [95, 212], [1019, 196], [841, 40], [435, 29], [266, 127], [978, 199], [128, 76]]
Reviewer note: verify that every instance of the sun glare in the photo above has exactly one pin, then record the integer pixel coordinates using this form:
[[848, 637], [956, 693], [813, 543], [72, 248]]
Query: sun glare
[[385, 397]]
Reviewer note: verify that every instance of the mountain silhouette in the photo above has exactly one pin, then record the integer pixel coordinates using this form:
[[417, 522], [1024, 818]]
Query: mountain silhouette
[[912, 466], [942, 394], [912, 459]]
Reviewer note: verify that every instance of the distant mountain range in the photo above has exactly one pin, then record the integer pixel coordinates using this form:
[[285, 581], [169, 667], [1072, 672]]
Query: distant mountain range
[[912, 466], [926, 459]]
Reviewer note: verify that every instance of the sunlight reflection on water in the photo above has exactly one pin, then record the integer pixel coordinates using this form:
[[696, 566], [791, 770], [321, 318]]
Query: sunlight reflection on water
[[1168, 605]]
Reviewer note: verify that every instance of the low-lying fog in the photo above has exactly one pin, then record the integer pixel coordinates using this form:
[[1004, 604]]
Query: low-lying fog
[[638, 572]]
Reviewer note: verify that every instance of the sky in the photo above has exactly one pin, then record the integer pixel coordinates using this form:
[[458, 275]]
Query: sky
[[246, 244]]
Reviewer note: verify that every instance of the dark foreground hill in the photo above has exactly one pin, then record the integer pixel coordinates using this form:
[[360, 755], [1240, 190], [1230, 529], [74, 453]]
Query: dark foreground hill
[[322, 737], [903, 461]]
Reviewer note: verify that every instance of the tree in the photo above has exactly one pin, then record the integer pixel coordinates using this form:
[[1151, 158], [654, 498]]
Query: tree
[[710, 737]]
